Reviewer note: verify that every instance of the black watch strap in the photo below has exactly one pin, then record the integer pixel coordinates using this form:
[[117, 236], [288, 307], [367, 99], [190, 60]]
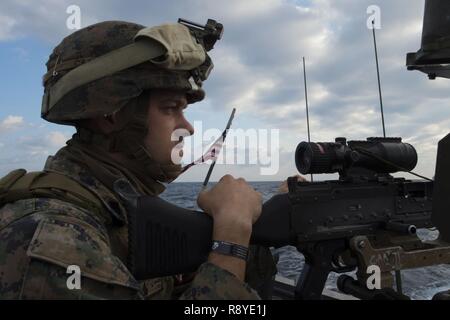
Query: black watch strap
[[230, 249]]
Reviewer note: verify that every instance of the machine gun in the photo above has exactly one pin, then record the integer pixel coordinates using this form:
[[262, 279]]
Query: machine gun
[[366, 217]]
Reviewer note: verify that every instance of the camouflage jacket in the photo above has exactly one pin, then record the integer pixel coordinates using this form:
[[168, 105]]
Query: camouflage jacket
[[41, 237]]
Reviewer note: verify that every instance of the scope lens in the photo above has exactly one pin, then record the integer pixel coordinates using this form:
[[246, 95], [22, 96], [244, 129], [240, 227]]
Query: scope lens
[[303, 157], [311, 157]]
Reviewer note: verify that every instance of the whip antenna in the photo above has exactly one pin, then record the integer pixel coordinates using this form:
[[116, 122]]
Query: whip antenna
[[307, 109], [378, 75]]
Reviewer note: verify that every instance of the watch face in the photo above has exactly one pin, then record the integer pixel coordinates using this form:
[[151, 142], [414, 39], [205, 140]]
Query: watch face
[[215, 245]]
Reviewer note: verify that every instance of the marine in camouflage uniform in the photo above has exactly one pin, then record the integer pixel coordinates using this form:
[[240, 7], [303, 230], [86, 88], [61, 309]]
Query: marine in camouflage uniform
[[69, 214]]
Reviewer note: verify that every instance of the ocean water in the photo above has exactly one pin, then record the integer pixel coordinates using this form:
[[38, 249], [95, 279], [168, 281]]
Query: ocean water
[[419, 284]]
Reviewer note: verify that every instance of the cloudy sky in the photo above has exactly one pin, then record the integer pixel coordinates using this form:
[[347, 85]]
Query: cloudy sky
[[257, 70]]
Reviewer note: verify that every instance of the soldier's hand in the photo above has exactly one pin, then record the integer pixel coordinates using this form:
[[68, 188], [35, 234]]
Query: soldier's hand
[[283, 188], [233, 204]]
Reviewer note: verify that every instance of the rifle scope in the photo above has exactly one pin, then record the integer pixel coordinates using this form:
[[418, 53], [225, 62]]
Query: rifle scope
[[379, 155]]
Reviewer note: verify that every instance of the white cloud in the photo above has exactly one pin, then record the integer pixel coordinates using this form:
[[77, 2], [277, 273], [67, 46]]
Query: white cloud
[[37, 151], [57, 139], [36, 146], [30, 147], [44, 19], [11, 123], [238, 9], [6, 27]]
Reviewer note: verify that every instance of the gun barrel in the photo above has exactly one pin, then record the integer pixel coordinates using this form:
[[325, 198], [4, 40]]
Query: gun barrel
[[401, 227]]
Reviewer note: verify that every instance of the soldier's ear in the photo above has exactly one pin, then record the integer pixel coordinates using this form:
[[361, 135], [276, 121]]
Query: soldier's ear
[[111, 119], [103, 124]]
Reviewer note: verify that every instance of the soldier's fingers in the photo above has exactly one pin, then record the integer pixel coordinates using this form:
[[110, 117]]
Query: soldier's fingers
[[241, 180], [202, 201], [226, 177], [283, 188]]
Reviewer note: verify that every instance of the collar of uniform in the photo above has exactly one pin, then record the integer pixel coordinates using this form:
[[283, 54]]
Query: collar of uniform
[[62, 164]]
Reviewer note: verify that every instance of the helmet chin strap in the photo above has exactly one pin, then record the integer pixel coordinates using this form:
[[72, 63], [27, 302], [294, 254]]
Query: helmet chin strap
[[160, 172], [127, 141]]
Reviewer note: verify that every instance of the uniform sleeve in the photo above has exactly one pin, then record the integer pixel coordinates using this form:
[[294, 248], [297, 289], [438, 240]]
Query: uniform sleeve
[[215, 283], [60, 257], [49, 281], [49, 256]]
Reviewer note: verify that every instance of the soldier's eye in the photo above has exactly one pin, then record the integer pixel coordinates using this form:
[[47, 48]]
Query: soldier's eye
[[174, 106], [172, 109]]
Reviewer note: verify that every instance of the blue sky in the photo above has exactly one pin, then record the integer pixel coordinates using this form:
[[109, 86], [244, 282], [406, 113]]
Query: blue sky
[[22, 63], [257, 70]]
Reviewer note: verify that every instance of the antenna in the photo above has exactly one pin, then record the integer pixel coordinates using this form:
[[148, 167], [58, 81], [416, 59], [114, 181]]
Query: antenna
[[398, 275], [307, 109], [378, 75]]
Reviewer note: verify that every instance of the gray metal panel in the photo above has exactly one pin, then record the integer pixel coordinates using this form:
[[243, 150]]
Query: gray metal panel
[[441, 196]]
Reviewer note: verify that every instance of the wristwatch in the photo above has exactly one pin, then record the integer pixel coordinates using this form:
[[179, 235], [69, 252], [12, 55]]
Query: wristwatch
[[230, 249]]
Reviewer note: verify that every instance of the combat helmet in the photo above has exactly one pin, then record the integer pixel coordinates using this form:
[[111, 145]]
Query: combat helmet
[[98, 69], [105, 67]]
